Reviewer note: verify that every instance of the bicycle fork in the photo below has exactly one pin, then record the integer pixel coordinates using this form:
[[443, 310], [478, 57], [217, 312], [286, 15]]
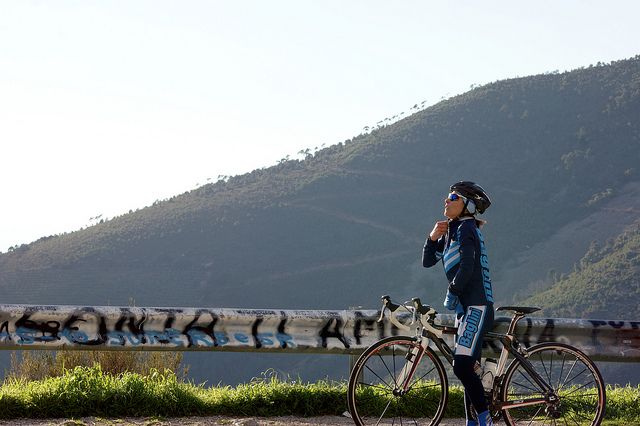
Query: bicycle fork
[[403, 380]]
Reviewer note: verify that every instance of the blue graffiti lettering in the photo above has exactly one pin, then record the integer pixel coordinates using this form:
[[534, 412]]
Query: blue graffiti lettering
[[198, 336], [221, 338], [264, 338], [25, 335], [152, 336], [118, 337], [122, 337], [134, 339], [173, 336], [242, 338], [75, 336], [285, 340]]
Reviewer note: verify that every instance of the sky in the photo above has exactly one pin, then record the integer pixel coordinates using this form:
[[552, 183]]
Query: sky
[[108, 106]]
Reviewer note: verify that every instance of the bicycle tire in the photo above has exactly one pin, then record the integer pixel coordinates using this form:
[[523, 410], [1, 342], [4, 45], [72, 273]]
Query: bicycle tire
[[576, 382], [373, 397]]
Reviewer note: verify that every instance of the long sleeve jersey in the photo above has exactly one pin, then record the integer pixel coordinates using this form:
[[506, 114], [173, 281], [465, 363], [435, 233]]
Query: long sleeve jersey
[[464, 258]]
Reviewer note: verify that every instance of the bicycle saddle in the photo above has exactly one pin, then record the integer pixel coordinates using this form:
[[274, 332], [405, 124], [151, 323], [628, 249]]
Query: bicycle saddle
[[519, 310]]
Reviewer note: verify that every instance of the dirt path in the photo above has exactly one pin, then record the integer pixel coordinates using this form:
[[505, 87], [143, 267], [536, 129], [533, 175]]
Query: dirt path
[[201, 421]]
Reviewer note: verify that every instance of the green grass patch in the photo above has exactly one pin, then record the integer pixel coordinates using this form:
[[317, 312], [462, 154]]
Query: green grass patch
[[623, 405], [89, 391]]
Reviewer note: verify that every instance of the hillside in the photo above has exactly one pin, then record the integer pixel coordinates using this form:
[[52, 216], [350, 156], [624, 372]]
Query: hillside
[[347, 224], [606, 278], [557, 254]]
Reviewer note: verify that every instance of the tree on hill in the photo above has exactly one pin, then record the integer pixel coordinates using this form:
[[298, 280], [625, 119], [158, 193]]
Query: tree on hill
[[606, 281]]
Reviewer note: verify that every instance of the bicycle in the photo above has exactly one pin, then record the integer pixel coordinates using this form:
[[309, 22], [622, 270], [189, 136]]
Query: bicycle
[[401, 379]]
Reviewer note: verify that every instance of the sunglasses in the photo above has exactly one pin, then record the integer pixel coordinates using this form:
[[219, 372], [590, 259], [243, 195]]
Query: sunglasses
[[454, 197]]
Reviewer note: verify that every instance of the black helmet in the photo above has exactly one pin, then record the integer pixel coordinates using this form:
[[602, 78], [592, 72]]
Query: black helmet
[[473, 192]]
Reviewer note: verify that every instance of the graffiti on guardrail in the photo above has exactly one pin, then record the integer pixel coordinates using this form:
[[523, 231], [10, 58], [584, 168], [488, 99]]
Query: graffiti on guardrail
[[346, 331], [61, 327]]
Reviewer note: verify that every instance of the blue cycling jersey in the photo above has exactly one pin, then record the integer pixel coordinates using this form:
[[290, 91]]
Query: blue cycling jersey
[[464, 258]]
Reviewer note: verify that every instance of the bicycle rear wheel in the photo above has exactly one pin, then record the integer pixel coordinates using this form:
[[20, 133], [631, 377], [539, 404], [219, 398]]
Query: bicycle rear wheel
[[578, 393], [376, 398]]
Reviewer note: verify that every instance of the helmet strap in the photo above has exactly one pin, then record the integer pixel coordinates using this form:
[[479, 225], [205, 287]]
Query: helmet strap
[[466, 211]]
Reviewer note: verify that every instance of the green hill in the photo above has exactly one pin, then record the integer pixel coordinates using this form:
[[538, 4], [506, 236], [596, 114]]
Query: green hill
[[347, 224], [607, 279]]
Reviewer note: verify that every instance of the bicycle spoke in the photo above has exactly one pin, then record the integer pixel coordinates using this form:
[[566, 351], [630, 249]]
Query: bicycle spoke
[[523, 419], [572, 379], [544, 367], [421, 381], [534, 386], [567, 380], [431, 370], [382, 380], [392, 375]]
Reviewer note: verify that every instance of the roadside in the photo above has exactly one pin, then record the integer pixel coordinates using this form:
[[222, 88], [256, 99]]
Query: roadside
[[200, 421]]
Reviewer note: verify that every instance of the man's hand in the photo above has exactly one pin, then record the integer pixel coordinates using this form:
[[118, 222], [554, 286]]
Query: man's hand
[[439, 229], [451, 301]]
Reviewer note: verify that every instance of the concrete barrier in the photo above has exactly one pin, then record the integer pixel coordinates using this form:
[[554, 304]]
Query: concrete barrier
[[29, 327]]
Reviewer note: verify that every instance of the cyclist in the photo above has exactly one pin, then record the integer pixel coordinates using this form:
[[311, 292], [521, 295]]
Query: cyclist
[[459, 244]]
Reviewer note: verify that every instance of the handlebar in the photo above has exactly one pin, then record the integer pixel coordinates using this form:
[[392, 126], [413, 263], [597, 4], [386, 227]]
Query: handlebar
[[425, 314]]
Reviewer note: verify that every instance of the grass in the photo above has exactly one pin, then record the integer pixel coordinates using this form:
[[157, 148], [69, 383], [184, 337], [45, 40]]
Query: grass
[[623, 405], [89, 391]]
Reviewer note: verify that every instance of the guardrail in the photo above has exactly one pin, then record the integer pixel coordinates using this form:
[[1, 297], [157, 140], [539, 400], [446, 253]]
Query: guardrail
[[27, 327]]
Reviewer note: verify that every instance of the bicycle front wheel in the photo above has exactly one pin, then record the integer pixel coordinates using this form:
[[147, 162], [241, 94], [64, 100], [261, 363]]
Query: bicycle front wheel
[[380, 392], [576, 395]]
